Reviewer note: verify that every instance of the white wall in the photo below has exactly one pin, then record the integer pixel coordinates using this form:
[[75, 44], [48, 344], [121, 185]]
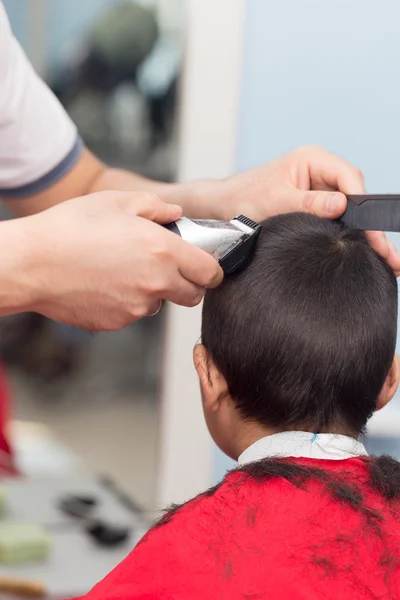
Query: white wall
[[17, 12], [327, 73], [207, 149]]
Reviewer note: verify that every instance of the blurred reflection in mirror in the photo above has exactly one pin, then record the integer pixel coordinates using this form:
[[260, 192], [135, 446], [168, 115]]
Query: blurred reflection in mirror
[[115, 66]]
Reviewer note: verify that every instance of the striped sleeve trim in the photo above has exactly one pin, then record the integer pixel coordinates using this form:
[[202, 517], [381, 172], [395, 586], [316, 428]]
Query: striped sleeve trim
[[50, 178]]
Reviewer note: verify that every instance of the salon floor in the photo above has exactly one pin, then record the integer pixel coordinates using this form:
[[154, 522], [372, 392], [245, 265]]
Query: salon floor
[[107, 413]]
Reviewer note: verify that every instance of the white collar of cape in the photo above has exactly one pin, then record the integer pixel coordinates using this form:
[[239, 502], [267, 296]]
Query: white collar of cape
[[302, 444]]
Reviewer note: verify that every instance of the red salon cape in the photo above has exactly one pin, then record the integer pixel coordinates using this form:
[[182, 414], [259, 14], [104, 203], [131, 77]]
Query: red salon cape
[[7, 466], [269, 540]]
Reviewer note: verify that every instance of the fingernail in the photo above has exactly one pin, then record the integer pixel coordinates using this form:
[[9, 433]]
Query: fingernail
[[175, 207], [334, 204]]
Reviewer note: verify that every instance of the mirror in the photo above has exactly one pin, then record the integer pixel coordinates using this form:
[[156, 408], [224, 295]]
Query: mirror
[[115, 66]]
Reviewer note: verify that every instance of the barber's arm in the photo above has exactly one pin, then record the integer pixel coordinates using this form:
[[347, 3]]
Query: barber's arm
[[308, 179], [100, 260], [43, 162]]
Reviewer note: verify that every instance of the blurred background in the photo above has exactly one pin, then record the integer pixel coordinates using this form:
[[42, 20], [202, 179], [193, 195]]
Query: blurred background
[[115, 67], [86, 408], [177, 89]]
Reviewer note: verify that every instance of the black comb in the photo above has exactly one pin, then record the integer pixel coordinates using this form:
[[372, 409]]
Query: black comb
[[375, 212]]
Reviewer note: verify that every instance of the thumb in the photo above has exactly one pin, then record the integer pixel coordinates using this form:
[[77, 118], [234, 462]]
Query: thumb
[[162, 213], [329, 205], [151, 207]]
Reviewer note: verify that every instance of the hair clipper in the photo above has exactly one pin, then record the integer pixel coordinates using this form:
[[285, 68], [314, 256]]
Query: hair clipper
[[230, 242]]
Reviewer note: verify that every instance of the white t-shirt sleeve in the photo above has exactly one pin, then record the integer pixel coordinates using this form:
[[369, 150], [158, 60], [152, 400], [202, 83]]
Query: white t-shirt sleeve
[[39, 143]]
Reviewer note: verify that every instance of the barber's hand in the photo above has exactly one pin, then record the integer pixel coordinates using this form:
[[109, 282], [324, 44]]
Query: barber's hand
[[101, 261], [309, 179]]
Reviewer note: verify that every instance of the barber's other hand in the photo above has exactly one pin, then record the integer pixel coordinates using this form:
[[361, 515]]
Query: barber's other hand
[[309, 179], [100, 262]]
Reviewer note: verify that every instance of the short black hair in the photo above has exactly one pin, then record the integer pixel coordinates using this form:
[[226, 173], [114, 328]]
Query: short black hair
[[306, 334]]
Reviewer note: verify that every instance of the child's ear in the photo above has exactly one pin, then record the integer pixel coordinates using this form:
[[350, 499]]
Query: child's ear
[[212, 383], [391, 384]]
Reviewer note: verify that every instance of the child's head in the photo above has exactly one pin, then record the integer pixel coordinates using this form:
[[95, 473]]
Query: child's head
[[303, 339]]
